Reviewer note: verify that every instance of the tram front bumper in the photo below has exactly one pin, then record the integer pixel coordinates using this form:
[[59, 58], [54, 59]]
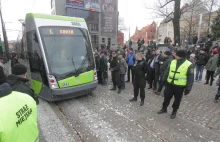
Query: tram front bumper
[[76, 90]]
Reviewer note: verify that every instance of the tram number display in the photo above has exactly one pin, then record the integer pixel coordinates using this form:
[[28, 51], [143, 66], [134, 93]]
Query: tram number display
[[57, 31], [66, 32]]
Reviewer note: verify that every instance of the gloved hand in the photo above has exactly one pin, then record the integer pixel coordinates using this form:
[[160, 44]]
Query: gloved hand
[[186, 92]]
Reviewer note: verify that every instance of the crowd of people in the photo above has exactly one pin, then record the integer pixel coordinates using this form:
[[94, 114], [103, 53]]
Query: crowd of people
[[172, 69]]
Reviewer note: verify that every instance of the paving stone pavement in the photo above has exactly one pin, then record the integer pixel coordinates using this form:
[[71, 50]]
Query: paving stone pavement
[[108, 116]]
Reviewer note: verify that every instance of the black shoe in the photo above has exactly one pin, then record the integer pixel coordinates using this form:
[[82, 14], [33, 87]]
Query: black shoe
[[206, 83], [173, 115], [114, 88], [133, 99], [162, 111], [142, 103], [127, 81], [119, 90]]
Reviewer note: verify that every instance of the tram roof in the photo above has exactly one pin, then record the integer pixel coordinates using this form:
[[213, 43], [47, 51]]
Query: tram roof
[[54, 17]]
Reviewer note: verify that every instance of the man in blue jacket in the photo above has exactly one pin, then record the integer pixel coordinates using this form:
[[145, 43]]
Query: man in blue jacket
[[130, 62]]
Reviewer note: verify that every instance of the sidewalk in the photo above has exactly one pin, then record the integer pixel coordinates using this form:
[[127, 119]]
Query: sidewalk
[[50, 125]]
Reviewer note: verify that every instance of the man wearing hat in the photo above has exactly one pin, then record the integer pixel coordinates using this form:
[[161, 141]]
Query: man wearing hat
[[18, 79], [18, 120], [179, 77]]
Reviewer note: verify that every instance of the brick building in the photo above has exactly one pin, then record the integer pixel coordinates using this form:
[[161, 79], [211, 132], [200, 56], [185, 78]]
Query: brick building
[[147, 33], [121, 38]]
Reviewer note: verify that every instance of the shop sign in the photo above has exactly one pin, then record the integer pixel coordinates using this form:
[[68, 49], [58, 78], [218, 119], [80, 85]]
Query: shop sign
[[76, 3]]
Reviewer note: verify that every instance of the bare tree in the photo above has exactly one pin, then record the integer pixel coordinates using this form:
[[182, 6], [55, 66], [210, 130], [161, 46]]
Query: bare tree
[[121, 24], [210, 5], [170, 9], [190, 17]]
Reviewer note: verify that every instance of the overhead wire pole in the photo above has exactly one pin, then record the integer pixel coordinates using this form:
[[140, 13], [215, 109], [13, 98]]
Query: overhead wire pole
[[4, 34]]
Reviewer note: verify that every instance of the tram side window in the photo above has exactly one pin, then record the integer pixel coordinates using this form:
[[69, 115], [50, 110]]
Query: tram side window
[[35, 59], [35, 56]]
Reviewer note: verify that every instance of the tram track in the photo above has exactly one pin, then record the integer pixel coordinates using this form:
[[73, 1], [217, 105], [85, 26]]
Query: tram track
[[65, 121]]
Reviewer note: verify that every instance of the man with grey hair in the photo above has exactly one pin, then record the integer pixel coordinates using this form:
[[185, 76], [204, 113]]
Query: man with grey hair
[[155, 67]]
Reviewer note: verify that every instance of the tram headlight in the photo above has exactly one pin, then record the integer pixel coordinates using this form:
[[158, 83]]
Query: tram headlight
[[95, 75], [52, 82]]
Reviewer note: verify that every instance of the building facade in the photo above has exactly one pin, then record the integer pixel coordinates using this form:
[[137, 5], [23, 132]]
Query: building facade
[[101, 17], [148, 33], [189, 23], [165, 30], [121, 38]]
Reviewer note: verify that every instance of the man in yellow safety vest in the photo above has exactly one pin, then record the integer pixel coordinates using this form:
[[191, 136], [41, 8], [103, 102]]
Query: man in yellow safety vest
[[180, 77], [18, 119]]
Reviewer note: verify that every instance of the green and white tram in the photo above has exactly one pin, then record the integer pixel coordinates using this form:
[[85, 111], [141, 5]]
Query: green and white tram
[[59, 53]]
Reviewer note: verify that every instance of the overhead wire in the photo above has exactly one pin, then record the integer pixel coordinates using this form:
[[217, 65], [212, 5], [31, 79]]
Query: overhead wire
[[33, 5]]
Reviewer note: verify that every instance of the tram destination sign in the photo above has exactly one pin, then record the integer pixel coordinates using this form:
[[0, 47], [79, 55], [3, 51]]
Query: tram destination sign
[[57, 31]]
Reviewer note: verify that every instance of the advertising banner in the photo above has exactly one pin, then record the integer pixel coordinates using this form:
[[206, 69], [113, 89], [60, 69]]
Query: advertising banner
[[76, 3], [95, 7], [109, 17]]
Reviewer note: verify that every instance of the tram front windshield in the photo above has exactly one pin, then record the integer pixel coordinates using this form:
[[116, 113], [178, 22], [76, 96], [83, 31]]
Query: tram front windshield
[[68, 50]]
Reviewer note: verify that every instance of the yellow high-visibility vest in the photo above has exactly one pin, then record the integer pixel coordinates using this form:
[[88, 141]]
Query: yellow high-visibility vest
[[18, 119], [179, 76]]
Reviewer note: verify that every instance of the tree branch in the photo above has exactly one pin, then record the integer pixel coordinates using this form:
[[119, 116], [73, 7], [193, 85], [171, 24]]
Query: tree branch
[[162, 6]]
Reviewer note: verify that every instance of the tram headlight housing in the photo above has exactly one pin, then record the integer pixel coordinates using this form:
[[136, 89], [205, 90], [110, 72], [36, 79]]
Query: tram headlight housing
[[52, 82], [95, 75]]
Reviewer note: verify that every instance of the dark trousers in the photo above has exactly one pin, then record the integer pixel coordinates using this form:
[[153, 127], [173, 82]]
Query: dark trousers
[[217, 96], [152, 80], [130, 72], [170, 91], [116, 79], [210, 74], [122, 79], [161, 84], [103, 78], [139, 84], [99, 77]]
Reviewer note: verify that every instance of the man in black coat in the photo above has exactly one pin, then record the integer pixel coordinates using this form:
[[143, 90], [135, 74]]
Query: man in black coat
[[97, 62], [103, 69], [195, 39], [115, 70], [14, 59], [139, 69], [18, 79]]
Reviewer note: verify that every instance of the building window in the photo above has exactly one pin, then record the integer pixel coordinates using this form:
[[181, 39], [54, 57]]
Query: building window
[[103, 40], [95, 40], [94, 27], [109, 41]]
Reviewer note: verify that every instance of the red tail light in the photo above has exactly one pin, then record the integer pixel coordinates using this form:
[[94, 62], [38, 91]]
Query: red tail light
[[52, 81]]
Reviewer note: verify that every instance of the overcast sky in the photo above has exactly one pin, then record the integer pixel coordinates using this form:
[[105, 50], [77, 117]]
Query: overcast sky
[[134, 13], [16, 9]]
